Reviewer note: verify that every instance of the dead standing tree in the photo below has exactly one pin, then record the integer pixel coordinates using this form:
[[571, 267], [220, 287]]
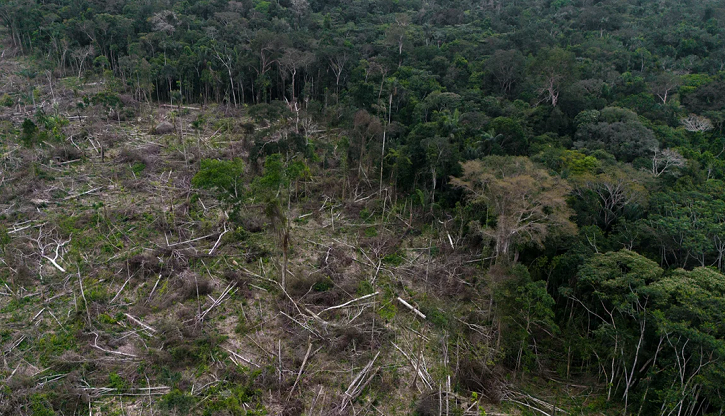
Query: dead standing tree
[[81, 55], [616, 191], [665, 160], [226, 58], [694, 123], [337, 65]]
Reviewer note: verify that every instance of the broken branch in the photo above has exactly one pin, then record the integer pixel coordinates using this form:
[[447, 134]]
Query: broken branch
[[409, 306]]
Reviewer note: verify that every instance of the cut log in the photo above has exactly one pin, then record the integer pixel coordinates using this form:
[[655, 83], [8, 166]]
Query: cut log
[[409, 306]]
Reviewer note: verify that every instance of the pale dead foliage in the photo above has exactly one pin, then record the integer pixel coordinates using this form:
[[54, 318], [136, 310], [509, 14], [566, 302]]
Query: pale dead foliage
[[526, 201]]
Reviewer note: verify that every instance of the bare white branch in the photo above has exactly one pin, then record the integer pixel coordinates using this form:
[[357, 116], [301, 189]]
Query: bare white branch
[[695, 123]]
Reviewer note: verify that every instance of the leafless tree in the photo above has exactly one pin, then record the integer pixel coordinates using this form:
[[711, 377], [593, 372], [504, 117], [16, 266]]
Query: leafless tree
[[616, 190], [281, 225], [227, 60], [695, 123], [81, 55], [398, 33], [638, 309], [551, 91], [664, 160], [690, 361], [337, 64], [165, 21]]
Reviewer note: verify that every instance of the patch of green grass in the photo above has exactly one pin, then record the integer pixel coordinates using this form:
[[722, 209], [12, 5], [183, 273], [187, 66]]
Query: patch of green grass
[[53, 345], [364, 288], [165, 375], [438, 318], [323, 285], [242, 326], [104, 318], [239, 234], [69, 224], [110, 248], [97, 294], [117, 382], [197, 352], [388, 311], [230, 396], [39, 173], [138, 167], [177, 401], [302, 221], [40, 405], [366, 215], [15, 304], [4, 236], [394, 259], [7, 101]]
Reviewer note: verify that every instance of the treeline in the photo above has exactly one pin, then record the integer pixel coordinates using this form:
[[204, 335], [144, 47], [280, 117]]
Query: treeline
[[257, 51], [579, 144]]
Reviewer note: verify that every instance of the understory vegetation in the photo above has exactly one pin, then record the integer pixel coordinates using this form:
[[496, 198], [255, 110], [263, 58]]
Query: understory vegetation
[[364, 207]]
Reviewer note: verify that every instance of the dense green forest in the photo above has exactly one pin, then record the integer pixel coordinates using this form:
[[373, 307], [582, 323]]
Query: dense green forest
[[362, 207]]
